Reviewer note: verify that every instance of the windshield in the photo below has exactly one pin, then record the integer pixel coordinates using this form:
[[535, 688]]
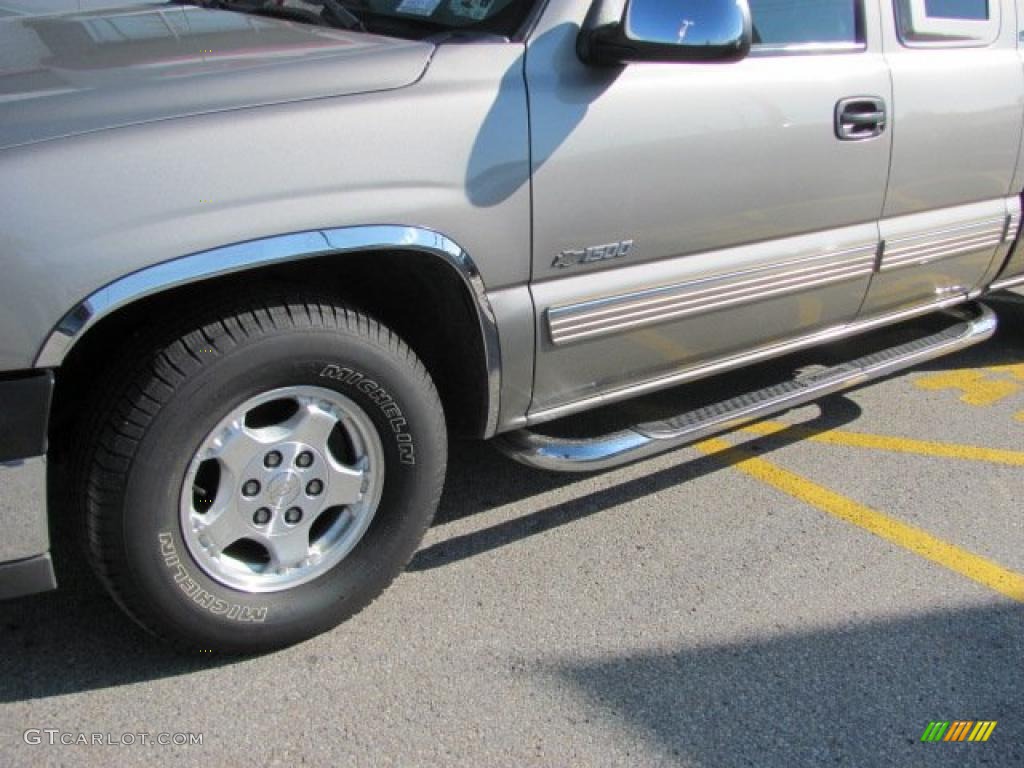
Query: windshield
[[406, 18]]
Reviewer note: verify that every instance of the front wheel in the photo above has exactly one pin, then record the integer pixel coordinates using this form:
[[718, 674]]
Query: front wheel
[[262, 474]]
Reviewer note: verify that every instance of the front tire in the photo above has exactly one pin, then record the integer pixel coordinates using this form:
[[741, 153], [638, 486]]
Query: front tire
[[261, 474]]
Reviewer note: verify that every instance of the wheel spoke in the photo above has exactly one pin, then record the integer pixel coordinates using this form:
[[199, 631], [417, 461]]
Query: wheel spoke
[[289, 549], [236, 447], [312, 425], [221, 527], [344, 485]]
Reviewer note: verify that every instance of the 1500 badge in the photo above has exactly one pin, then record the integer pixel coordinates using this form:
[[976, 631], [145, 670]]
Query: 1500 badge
[[593, 254]]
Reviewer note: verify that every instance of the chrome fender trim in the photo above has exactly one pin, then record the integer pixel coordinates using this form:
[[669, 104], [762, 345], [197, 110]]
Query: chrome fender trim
[[239, 257]]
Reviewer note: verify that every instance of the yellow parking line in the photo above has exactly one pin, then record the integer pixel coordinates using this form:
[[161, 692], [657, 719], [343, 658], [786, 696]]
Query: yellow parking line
[[891, 443], [975, 567], [1013, 369], [975, 387]]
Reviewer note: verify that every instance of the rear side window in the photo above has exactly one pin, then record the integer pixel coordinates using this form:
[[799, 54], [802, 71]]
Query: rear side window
[[976, 10], [945, 23], [796, 23]]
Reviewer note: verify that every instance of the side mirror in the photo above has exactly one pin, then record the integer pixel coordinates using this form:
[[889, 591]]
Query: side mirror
[[621, 31]]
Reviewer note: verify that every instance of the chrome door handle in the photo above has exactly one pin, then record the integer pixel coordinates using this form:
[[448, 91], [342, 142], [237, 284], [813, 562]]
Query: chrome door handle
[[860, 117]]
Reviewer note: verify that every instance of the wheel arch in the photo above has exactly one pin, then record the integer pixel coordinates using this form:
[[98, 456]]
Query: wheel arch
[[419, 270]]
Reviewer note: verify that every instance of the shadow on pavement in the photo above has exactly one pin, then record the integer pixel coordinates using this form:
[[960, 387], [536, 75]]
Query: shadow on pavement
[[502, 481], [76, 639], [860, 695], [1005, 348]]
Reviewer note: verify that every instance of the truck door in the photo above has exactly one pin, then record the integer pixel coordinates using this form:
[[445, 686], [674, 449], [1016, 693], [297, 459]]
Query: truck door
[[686, 214], [958, 94], [1010, 271]]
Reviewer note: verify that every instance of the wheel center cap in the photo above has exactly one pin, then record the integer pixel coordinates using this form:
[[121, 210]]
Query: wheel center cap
[[283, 489]]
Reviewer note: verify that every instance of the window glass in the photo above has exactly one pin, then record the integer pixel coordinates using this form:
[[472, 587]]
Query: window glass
[[957, 9], [447, 13], [787, 22], [947, 23]]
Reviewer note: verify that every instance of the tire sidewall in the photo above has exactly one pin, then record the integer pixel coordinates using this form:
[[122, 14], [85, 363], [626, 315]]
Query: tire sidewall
[[393, 393]]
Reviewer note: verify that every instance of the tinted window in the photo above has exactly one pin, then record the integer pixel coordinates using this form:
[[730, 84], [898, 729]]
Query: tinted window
[[957, 9], [783, 22]]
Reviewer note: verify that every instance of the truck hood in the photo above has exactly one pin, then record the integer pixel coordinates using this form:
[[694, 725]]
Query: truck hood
[[75, 73]]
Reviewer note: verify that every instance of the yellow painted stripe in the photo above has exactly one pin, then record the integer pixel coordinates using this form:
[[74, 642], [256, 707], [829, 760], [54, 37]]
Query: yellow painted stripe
[[988, 731], [893, 444], [909, 537], [1014, 369], [976, 388], [978, 728]]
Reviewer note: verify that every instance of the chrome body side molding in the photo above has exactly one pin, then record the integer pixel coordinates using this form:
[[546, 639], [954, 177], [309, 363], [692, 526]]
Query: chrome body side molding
[[943, 252], [1013, 220], [275, 250], [609, 315], [643, 440], [927, 247], [617, 314], [1009, 282], [1008, 269]]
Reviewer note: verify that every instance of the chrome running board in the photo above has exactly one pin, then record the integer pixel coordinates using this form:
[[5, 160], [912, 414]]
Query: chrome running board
[[647, 439]]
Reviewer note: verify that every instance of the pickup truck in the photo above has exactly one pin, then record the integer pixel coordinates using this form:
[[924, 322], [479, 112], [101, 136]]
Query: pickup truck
[[260, 260]]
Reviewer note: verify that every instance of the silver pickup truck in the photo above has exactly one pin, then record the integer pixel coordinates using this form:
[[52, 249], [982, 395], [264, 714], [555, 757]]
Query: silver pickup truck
[[258, 260]]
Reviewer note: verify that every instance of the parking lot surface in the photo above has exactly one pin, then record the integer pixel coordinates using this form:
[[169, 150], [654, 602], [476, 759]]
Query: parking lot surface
[[813, 590]]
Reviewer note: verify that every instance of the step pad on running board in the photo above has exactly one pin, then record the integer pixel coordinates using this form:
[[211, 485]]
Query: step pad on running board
[[649, 438]]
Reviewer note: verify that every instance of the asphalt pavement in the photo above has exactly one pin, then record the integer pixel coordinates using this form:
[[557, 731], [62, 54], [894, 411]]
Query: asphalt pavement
[[815, 590]]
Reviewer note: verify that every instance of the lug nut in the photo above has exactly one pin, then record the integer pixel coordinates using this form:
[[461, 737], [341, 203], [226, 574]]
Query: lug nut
[[251, 488], [314, 488], [272, 459], [261, 516], [293, 515], [304, 459]]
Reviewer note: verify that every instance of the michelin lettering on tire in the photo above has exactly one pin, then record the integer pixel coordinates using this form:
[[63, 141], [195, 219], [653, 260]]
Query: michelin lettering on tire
[[391, 410], [200, 596]]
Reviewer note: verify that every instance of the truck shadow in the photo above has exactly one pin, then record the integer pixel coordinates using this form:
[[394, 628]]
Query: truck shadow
[[1005, 348], [76, 639], [859, 694], [507, 482]]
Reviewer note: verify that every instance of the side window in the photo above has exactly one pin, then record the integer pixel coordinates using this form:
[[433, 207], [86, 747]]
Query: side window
[[807, 23], [927, 23], [974, 10]]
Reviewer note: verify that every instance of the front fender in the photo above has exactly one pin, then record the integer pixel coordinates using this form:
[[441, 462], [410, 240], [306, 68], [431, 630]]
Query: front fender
[[268, 251]]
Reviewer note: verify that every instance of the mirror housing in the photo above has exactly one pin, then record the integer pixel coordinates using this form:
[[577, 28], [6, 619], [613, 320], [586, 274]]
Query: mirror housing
[[623, 31]]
